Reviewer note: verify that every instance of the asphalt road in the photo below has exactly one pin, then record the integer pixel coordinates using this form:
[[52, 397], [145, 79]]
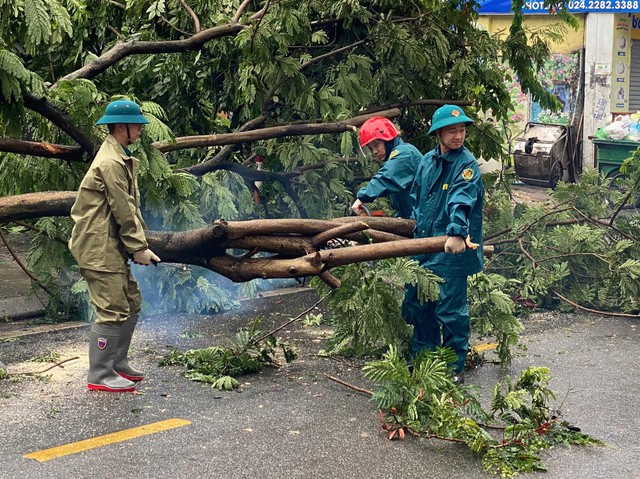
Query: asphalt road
[[292, 422]]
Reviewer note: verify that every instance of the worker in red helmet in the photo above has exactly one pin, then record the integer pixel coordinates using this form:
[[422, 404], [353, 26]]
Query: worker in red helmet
[[395, 177]]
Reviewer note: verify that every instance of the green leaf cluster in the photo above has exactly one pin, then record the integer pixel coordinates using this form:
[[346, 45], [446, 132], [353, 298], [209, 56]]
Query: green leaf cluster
[[188, 289], [51, 263], [570, 247], [366, 311], [220, 365], [425, 402], [493, 311]]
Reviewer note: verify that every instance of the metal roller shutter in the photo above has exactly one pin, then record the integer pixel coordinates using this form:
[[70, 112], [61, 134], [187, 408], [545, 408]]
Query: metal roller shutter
[[634, 77]]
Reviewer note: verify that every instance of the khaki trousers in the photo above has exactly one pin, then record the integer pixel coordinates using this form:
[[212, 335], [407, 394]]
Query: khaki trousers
[[116, 296]]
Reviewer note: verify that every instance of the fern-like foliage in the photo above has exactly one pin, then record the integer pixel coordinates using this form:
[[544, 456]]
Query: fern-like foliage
[[563, 252], [36, 17], [189, 289], [51, 263], [218, 365], [32, 24], [426, 403], [366, 310], [493, 311]]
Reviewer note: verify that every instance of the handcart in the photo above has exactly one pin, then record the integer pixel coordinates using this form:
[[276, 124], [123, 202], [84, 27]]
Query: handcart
[[541, 154]]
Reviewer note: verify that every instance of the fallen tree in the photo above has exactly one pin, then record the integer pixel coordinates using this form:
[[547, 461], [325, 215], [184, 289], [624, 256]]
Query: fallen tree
[[296, 248]]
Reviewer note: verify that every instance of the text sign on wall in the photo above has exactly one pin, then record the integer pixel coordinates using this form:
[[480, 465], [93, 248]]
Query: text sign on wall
[[621, 62], [498, 7]]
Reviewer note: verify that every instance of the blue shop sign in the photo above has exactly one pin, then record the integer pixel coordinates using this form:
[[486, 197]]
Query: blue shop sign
[[503, 7]]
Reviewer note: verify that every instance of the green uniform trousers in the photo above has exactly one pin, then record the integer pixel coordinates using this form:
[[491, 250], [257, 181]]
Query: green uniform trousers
[[116, 296], [441, 323]]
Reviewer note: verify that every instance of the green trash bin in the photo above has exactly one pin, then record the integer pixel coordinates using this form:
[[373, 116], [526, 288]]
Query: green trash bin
[[610, 154]]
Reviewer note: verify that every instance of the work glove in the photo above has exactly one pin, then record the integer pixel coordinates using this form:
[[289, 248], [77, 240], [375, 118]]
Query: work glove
[[470, 244], [357, 208], [145, 257], [455, 245]]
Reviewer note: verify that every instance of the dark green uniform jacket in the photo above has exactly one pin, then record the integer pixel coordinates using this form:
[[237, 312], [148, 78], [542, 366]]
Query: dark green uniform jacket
[[108, 223], [447, 194], [394, 178]]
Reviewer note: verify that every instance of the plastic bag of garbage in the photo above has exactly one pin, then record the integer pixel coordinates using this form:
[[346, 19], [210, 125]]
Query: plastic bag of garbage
[[634, 131], [616, 131], [624, 120], [600, 134]]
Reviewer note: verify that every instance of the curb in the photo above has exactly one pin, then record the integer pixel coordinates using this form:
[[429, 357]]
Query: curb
[[13, 330]]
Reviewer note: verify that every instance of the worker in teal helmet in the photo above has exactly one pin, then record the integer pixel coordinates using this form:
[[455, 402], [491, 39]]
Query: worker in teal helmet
[[448, 195], [400, 162], [108, 230]]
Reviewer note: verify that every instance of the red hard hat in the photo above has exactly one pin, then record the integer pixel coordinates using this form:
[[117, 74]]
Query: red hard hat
[[377, 128]]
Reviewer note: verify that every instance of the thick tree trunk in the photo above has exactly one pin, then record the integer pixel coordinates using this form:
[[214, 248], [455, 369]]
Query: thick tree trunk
[[285, 248], [36, 205]]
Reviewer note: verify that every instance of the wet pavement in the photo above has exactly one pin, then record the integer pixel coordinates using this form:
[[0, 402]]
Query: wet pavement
[[293, 422], [288, 422]]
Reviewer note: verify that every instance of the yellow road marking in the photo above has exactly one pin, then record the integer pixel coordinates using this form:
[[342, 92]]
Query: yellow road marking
[[485, 347], [72, 448]]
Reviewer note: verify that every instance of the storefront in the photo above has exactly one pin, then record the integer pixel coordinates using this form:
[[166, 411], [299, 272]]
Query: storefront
[[626, 71], [605, 51]]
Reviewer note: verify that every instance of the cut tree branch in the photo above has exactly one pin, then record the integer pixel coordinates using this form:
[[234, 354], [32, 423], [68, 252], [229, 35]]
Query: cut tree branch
[[36, 205], [124, 49], [249, 174], [41, 149], [419, 102], [322, 238], [240, 11], [24, 268], [595, 311], [61, 119], [624, 201], [313, 264], [334, 52], [204, 141], [292, 320], [223, 154]]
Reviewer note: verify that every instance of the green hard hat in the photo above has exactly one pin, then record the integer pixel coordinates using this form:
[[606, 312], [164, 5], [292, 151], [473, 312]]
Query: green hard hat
[[122, 111], [448, 115]]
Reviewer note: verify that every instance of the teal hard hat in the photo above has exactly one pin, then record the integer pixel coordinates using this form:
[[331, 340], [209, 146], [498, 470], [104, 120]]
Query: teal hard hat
[[448, 115], [122, 111]]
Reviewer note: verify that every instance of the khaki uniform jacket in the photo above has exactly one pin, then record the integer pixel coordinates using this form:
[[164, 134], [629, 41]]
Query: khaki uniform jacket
[[108, 223]]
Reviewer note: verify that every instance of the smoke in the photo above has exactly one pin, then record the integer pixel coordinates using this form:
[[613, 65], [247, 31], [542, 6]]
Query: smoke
[[181, 288]]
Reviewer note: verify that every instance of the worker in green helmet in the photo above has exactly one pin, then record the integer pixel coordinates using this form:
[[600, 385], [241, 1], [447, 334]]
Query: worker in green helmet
[[447, 196], [109, 230]]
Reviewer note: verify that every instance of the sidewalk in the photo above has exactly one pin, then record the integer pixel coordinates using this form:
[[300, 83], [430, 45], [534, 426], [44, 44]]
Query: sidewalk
[[17, 299]]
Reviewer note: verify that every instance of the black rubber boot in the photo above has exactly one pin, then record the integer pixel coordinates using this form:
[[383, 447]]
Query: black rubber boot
[[121, 362], [103, 342], [458, 378]]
